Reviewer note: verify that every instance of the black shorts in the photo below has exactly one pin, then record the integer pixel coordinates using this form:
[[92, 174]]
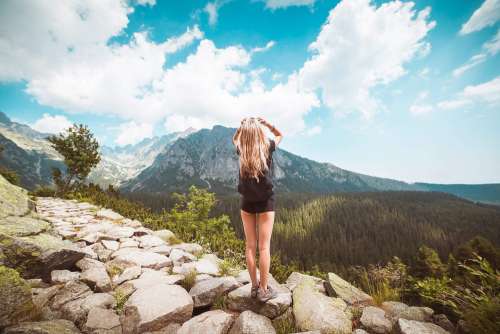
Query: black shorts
[[258, 207]]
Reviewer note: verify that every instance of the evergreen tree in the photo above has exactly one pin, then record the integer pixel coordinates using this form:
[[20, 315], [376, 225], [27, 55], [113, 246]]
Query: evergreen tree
[[427, 263], [81, 153]]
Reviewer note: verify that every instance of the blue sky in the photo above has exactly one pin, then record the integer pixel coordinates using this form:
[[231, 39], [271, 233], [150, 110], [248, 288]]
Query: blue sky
[[405, 90]]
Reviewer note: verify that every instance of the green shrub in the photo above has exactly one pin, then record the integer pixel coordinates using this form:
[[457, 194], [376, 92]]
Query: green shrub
[[10, 175], [189, 280], [485, 318]]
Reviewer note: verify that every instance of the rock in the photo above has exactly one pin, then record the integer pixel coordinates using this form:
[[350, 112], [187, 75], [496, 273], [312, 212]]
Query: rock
[[41, 296], [142, 258], [98, 300], [103, 321], [59, 326], [138, 232], [116, 266], [192, 248], [152, 277], [206, 291], [373, 318], [70, 291], [284, 320], [240, 300], [360, 331], [296, 277], [442, 321], [111, 244], [130, 320], [216, 322], [208, 264], [22, 226], [109, 214], [63, 276], [184, 268], [165, 235], [128, 242], [14, 200], [118, 232], [94, 274], [127, 275], [180, 256], [418, 327], [148, 241], [170, 329], [73, 311], [249, 322], [337, 287], [396, 310], [16, 304], [38, 255], [314, 311], [163, 250], [160, 304], [201, 277]]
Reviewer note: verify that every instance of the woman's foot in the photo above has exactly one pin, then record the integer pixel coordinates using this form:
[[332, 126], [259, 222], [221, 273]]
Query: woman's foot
[[265, 295], [253, 291]]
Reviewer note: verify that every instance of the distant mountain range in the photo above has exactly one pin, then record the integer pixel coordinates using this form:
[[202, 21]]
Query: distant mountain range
[[205, 158]]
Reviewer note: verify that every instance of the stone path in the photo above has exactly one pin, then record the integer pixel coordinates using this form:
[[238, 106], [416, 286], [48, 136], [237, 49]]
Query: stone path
[[116, 276]]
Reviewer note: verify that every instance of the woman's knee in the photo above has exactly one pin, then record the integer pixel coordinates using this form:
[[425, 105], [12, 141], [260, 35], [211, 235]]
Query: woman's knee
[[251, 245], [264, 247]]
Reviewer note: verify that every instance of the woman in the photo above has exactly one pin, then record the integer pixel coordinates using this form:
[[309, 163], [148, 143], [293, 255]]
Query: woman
[[257, 201]]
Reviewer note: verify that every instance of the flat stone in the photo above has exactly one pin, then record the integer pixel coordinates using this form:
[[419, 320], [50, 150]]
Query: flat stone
[[163, 250], [94, 274], [314, 311], [180, 256], [296, 277], [98, 300], [22, 226], [208, 264], [373, 318], [418, 327], [249, 322], [70, 291], [127, 275], [161, 304], [73, 311], [117, 232], [153, 277], [214, 322], [240, 300], [103, 321], [192, 248], [165, 235], [337, 287], [148, 241], [205, 292], [109, 214], [142, 258], [63, 276], [396, 310], [111, 244], [59, 326], [128, 242], [41, 296]]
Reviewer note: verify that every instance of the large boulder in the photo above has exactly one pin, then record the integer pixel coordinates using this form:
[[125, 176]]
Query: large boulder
[[14, 201], [337, 287], [206, 291], [373, 318], [145, 259], [397, 310], [240, 300], [160, 304], [58, 326], [215, 322], [94, 274], [153, 277], [70, 291], [103, 321], [249, 322], [16, 304], [418, 327], [314, 311], [296, 277]]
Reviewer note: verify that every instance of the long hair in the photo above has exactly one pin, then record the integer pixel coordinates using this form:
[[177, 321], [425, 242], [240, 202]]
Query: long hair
[[254, 149]]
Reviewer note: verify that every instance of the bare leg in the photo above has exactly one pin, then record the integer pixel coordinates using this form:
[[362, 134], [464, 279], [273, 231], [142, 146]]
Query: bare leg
[[266, 221], [249, 226]]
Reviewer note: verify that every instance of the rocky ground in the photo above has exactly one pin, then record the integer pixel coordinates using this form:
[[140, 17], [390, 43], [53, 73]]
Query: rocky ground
[[85, 269]]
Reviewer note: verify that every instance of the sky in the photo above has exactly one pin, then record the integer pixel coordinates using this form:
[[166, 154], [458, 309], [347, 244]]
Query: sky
[[408, 90]]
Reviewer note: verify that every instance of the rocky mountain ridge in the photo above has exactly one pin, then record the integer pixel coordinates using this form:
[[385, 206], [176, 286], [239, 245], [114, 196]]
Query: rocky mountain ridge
[[72, 267]]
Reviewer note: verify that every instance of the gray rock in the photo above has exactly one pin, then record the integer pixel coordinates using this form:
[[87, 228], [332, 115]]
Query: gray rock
[[296, 277], [249, 322], [314, 311], [103, 321], [165, 235], [337, 287], [70, 291], [98, 300], [161, 304], [94, 274], [192, 248], [216, 322], [73, 312], [128, 242], [153, 277], [373, 318], [180, 256], [59, 326], [111, 244], [418, 327], [63, 276], [127, 275], [142, 258], [163, 250], [109, 214], [396, 310], [16, 304], [360, 331], [240, 300], [208, 264], [148, 241], [206, 291], [41, 296], [442, 321]]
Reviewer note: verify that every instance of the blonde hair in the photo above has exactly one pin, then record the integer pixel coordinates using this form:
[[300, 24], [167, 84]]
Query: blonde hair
[[254, 149]]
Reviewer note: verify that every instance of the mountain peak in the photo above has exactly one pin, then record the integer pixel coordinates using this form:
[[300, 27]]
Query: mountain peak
[[4, 119]]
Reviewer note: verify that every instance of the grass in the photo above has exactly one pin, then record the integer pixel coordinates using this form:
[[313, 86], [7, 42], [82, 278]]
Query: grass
[[174, 240], [220, 303], [285, 325], [228, 267], [121, 299], [189, 280], [114, 270]]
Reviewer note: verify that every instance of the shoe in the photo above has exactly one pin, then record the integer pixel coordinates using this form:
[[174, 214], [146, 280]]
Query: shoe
[[253, 291], [264, 296]]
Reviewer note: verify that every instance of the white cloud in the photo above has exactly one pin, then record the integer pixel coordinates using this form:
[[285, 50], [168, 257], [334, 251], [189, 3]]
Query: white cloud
[[212, 10], [486, 95], [313, 131], [132, 132], [268, 46], [489, 49], [486, 15], [362, 46], [420, 109], [277, 4], [424, 73], [52, 124]]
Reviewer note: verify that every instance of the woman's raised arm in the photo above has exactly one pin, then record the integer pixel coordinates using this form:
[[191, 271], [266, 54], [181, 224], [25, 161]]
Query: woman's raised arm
[[277, 134]]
